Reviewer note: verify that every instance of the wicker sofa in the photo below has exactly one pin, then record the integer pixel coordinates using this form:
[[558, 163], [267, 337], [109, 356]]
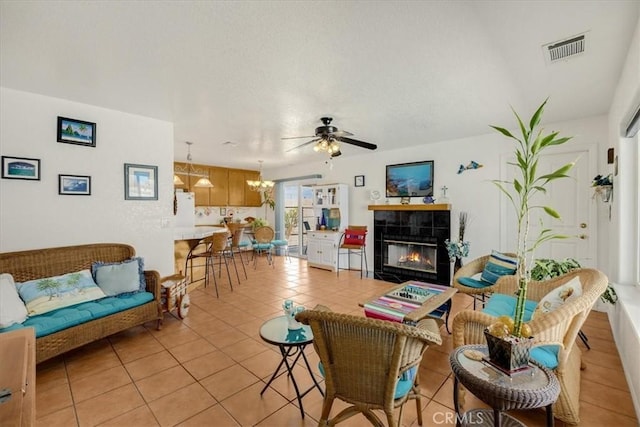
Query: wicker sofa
[[42, 263]]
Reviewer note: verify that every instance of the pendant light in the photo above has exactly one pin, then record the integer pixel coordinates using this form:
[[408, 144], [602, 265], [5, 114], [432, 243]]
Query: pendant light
[[203, 182], [260, 185]]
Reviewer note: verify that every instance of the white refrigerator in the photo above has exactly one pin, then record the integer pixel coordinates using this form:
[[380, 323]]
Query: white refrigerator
[[186, 211]]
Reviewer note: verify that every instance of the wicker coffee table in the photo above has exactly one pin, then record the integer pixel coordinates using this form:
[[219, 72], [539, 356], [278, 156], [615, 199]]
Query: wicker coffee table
[[535, 387]]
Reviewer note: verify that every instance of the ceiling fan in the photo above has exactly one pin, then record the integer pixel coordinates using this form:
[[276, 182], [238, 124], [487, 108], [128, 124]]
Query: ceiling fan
[[327, 138]]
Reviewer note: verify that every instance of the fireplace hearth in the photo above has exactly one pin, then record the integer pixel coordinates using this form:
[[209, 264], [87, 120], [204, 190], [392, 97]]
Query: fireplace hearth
[[409, 243]]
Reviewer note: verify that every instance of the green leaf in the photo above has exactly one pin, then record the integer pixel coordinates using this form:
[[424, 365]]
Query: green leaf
[[525, 133], [517, 186], [503, 131], [535, 119], [559, 141], [547, 139], [552, 212], [559, 173]]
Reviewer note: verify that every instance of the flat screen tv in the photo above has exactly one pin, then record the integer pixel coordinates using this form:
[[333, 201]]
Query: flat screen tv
[[410, 179]]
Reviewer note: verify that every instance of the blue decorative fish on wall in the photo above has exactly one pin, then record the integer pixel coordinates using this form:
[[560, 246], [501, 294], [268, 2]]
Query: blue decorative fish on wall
[[471, 165]]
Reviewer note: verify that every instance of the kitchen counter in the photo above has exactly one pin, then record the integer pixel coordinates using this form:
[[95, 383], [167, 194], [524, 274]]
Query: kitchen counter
[[191, 233]]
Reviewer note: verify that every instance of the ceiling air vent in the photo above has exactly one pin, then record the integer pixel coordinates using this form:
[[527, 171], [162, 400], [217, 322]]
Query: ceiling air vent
[[565, 49]]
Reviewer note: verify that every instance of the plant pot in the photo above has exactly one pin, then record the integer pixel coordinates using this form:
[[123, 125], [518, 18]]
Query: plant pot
[[509, 356]]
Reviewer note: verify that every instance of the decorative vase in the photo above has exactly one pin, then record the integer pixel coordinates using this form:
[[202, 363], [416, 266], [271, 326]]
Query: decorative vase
[[457, 265], [290, 312], [508, 355]]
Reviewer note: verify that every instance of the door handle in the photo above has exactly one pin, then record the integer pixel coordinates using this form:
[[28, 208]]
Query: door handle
[[583, 236], [583, 225]]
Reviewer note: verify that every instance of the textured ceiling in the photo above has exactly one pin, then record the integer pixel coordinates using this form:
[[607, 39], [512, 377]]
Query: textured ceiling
[[393, 73]]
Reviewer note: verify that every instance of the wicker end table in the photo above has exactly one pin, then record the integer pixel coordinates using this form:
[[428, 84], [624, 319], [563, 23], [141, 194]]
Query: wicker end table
[[535, 387]]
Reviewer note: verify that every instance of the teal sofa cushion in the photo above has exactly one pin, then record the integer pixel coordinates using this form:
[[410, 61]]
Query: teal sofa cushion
[[473, 283], [500, 304], [63, 318]]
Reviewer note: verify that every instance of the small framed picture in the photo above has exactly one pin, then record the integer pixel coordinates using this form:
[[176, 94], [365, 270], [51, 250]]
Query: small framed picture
[[79, 132], [405, 200], [223, 211], [75, 185], [140, 182], [359, 180], [20, 168]]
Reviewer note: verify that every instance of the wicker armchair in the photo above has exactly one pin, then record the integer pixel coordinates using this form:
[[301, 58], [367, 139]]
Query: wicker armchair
[[364, 358], [559, 327], [474, 267]]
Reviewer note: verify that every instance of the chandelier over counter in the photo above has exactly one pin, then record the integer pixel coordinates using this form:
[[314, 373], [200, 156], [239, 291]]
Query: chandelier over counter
[[330, 145], [260, 185], [190, 170]]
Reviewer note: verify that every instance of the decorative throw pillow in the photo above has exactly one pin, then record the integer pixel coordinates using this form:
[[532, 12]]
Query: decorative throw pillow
[[558, 296], [499, 265], [52, 293], [12, 309], [120, 277]]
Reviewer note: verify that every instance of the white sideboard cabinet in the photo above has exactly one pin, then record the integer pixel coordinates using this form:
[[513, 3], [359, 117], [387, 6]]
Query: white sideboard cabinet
[[322, 249]]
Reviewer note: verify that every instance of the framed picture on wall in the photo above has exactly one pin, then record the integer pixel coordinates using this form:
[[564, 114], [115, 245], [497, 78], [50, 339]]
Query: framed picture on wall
[[359, 180], [140, 182], [75, 185], [20, 168], [79, 132]]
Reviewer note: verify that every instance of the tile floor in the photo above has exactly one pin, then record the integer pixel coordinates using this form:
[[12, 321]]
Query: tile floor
[[208, 369]]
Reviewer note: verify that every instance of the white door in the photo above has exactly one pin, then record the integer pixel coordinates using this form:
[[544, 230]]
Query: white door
[[572, 199]]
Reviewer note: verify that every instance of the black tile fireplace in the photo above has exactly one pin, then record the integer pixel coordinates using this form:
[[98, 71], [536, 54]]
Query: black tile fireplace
[[409, 243]]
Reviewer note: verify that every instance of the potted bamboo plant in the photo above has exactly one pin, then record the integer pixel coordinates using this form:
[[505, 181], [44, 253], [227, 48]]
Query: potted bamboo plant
[[527, 183]]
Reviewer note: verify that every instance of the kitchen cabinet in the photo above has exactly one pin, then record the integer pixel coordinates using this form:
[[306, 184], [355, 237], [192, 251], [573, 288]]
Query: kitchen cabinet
[[322, 249], [229, 185], [219, 194], [239, 192], [252, 198]]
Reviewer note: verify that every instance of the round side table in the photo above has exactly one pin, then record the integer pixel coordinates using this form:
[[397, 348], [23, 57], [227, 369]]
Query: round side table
[[291, 343], [534, 387]]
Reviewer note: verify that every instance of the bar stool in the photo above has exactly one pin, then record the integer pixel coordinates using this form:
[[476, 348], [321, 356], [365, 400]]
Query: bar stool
[[237, 246], [354, 241]]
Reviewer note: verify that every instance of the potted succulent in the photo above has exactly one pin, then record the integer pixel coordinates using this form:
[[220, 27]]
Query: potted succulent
[[603, 185], [527, 183]]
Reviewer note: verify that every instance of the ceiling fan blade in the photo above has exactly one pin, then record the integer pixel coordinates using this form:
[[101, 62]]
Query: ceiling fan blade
[[302, 145], [342, 133], [297, 137], [362, 144]]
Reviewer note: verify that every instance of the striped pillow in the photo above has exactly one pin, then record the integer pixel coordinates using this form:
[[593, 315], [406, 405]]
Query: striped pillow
[[499, 265]]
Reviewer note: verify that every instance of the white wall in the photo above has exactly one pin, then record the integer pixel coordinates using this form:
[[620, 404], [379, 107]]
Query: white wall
[[622, 232], [33, 215], [471, 191]]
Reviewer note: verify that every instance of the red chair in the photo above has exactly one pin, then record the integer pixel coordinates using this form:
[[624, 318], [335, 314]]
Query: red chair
[[354, 241]]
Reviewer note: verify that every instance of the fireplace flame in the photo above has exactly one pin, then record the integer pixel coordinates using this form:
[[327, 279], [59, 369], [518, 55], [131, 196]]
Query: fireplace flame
[[415, 257]]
